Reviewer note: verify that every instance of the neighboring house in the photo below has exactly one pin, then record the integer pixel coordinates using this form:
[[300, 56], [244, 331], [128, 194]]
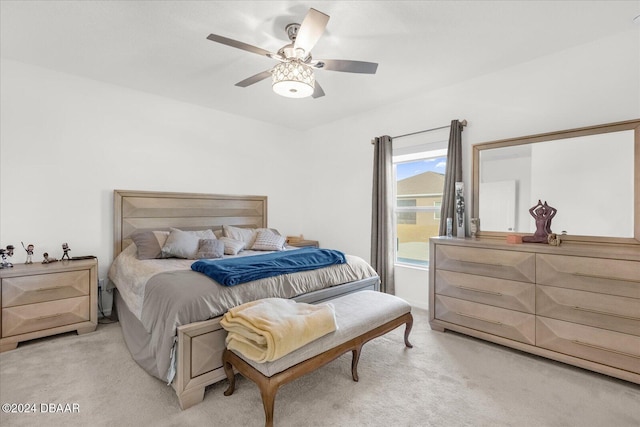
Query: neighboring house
[[415, 228]]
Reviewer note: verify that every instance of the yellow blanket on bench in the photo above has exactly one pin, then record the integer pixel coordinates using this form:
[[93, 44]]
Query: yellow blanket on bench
[[267, 329]]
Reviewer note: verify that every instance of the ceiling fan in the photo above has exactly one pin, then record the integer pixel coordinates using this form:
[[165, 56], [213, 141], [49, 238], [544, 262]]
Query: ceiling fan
[[293, 76]]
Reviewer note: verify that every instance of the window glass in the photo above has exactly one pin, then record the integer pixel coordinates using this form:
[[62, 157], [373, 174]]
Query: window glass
[[419, 185]]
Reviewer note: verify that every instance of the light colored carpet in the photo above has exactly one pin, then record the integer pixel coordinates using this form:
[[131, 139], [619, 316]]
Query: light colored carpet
[[445, 380]]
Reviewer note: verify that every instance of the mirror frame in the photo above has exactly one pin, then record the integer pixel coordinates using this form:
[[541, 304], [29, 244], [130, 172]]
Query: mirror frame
[[551, 136]]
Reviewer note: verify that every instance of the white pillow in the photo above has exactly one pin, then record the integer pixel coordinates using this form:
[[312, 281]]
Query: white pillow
[[267, 240], [232, 246], [184, 244], [246, 235]]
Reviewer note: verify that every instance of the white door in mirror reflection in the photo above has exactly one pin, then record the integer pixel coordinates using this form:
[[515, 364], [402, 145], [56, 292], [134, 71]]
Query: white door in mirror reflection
[[498, 206]]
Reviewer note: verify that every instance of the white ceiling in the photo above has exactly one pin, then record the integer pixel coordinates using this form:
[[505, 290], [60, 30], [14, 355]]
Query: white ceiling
[[160, 47]]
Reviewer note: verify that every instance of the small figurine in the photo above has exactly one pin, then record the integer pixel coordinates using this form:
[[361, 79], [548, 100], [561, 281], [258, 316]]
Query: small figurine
[[553, 239], [474, 227], [48, 259], [65, 248], [6, 253], [29, 250], [4, 263]]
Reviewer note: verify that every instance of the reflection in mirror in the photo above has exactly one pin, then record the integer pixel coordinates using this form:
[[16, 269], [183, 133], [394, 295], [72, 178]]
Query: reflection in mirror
[[588, 176], [589, 180]]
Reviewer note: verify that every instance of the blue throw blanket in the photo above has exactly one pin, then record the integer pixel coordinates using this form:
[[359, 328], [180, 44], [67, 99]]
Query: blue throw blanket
[[233, 271]]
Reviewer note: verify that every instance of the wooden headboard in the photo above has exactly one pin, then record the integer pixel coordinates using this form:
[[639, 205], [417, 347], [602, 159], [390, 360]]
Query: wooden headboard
[[150, 210]]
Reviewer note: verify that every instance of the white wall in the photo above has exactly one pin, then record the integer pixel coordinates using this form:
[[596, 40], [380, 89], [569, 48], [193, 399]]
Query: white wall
[[67, 142], [587, 85]]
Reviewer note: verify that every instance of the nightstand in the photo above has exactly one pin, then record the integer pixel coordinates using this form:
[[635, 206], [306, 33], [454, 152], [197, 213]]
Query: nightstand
[[304, 243], [38, 300]]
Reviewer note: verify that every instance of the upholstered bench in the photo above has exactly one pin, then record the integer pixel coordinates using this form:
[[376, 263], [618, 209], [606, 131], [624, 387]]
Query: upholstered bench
[[360, 317]]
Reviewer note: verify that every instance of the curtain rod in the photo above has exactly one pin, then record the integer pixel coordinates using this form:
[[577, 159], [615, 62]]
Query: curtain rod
[[462, 122]]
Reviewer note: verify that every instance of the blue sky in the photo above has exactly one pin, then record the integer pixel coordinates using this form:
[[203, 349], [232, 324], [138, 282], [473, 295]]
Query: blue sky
[[407, 169]]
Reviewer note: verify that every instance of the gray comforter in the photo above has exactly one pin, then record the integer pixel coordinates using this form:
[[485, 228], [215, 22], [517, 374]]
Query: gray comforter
[[180, 297]]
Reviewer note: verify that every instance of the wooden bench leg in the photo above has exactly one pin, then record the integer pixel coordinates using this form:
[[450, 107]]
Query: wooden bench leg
[[268, 393], [228, 369], [354, 362], [407, 331]]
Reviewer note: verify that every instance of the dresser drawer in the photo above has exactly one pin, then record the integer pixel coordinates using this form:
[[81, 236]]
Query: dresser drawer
[[44, 287], [587, 308], [606, 276], [598, 345], [497, 321], [45, 315], [487, 290], [511, 265]]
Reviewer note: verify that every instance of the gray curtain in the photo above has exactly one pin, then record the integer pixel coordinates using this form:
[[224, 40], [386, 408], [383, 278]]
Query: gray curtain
[[452, 175], [382, 241]]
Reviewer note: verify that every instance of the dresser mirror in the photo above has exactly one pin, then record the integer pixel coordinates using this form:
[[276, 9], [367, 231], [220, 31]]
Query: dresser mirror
[[590, 175]]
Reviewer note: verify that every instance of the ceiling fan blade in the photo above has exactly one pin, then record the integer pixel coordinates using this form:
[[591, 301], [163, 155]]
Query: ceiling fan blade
[[239, 45], [310, 30], [346, 66], [317, 92], [254, 79]]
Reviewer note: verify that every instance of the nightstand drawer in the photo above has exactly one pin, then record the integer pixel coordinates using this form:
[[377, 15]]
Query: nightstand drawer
[[612, 312], [510, 265], [598, 345], [44, 287], [44, 315], [493, 320], [487, 290]]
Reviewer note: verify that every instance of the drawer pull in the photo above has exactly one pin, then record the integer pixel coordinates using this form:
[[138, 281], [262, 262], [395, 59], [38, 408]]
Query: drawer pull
[[479, 318], [622, 353], [466, 288], [49, 316], [492, 264], [50, 288], [596, 276], [606, 313]]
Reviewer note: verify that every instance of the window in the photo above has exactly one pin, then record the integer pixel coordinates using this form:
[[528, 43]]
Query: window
[[405, 217], [419, 185], [437, 204]]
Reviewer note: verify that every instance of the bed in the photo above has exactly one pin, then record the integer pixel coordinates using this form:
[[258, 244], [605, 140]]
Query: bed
[[197, 339]]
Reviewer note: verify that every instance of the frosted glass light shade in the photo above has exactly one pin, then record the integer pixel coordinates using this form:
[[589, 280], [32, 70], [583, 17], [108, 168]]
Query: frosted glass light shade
[[293, 79]]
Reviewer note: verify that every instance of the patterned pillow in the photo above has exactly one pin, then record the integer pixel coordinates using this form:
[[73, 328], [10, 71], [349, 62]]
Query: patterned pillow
[[267, 240], [149, 243], [232, 246], [184, 244], [210, 248]]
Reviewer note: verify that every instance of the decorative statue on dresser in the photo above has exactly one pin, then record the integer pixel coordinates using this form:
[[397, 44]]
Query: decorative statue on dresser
[[543, 214], [460, 208]]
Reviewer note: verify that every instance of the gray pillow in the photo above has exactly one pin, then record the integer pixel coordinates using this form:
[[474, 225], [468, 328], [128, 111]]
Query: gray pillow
[[184, 244], [210, 248], [149, 243]]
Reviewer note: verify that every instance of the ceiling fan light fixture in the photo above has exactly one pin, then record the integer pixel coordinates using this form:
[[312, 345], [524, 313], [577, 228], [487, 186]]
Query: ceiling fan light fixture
[[293, 79]]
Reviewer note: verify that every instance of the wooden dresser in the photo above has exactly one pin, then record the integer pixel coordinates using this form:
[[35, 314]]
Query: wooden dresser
[[38, 300], [577, 304]]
